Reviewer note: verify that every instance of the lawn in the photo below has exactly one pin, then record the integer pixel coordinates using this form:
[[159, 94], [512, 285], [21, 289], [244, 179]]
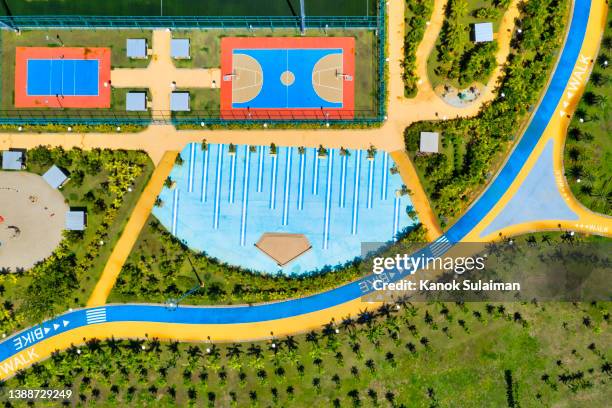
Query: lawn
[[203, 102], [205, 48], [588, 149], [456, 60], [114, 39], [90, 187]]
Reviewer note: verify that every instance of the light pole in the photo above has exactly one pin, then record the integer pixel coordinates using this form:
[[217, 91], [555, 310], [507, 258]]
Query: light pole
[[302, 18]]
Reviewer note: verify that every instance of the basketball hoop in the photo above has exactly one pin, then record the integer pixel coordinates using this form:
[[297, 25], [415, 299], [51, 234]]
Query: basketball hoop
[[343, 76], [230, 77]]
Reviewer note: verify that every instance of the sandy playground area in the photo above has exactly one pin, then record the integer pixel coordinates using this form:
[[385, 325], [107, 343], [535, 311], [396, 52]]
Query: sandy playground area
[[32, 217]]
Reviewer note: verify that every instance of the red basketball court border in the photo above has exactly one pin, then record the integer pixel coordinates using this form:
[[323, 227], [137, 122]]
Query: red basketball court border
[[23, 100], [347, 44]]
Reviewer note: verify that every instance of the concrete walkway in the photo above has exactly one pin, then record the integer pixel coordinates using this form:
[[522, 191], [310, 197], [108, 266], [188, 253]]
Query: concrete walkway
[[161, 73]]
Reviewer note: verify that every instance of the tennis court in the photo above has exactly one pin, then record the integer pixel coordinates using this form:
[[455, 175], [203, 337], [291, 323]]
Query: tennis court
[[62, 77], [284, 78]]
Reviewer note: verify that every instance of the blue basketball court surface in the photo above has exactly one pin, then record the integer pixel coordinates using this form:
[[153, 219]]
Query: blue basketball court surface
[[275, 94], [65, 77]]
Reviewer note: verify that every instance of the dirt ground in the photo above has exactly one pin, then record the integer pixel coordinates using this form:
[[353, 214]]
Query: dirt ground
[[33, 217]]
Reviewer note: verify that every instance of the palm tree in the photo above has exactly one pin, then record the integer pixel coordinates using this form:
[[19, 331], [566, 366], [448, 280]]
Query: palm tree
[[321, 151], [254, 351], [424, 341], [371, 152], [573, 153], [602, 60], [370, 365], [234, 351], [290, 343], [313, 338], [373, 396], [169, 182], [546, 238], [179, 160], [158, 202], [602, 195], [336, 380], [204, 145], [590, 98], [194, 353], [602, 101], [598, 79]]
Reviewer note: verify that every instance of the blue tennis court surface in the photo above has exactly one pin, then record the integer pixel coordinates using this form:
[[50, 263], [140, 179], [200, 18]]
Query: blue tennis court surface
[[66, 77], [301, 93]]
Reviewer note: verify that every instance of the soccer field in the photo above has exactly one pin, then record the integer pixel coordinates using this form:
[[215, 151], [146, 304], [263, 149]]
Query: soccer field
[[188, 8]]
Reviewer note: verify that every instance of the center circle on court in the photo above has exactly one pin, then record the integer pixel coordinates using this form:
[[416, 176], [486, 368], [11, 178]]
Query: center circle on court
[[287, 78]]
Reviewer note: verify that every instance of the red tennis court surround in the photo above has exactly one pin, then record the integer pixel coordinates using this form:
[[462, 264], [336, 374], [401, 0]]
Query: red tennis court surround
[[288, 78], [62, 77]]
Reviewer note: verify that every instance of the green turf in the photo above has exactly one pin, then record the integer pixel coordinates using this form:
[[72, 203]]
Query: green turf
[[188, 8]]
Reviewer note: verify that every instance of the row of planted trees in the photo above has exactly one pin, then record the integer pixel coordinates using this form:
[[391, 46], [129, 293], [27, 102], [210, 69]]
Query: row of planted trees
[[354, 361]]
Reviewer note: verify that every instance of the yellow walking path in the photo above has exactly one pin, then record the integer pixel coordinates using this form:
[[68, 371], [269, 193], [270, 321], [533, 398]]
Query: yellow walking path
[[130, 234]]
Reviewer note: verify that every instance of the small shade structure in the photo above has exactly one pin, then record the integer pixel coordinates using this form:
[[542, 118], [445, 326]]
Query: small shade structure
[[179, 101], [136, 101], [430, 142], [136, 48], [283, 248], [483, 32], [76, 220], [12, 160], [179, 48], [55, 177]]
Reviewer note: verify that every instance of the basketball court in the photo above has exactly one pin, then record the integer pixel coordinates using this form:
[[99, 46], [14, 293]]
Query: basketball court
[[287, 78], [62, 77]]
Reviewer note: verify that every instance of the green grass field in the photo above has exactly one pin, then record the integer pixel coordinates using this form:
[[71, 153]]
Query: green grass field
[[187, 8]]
